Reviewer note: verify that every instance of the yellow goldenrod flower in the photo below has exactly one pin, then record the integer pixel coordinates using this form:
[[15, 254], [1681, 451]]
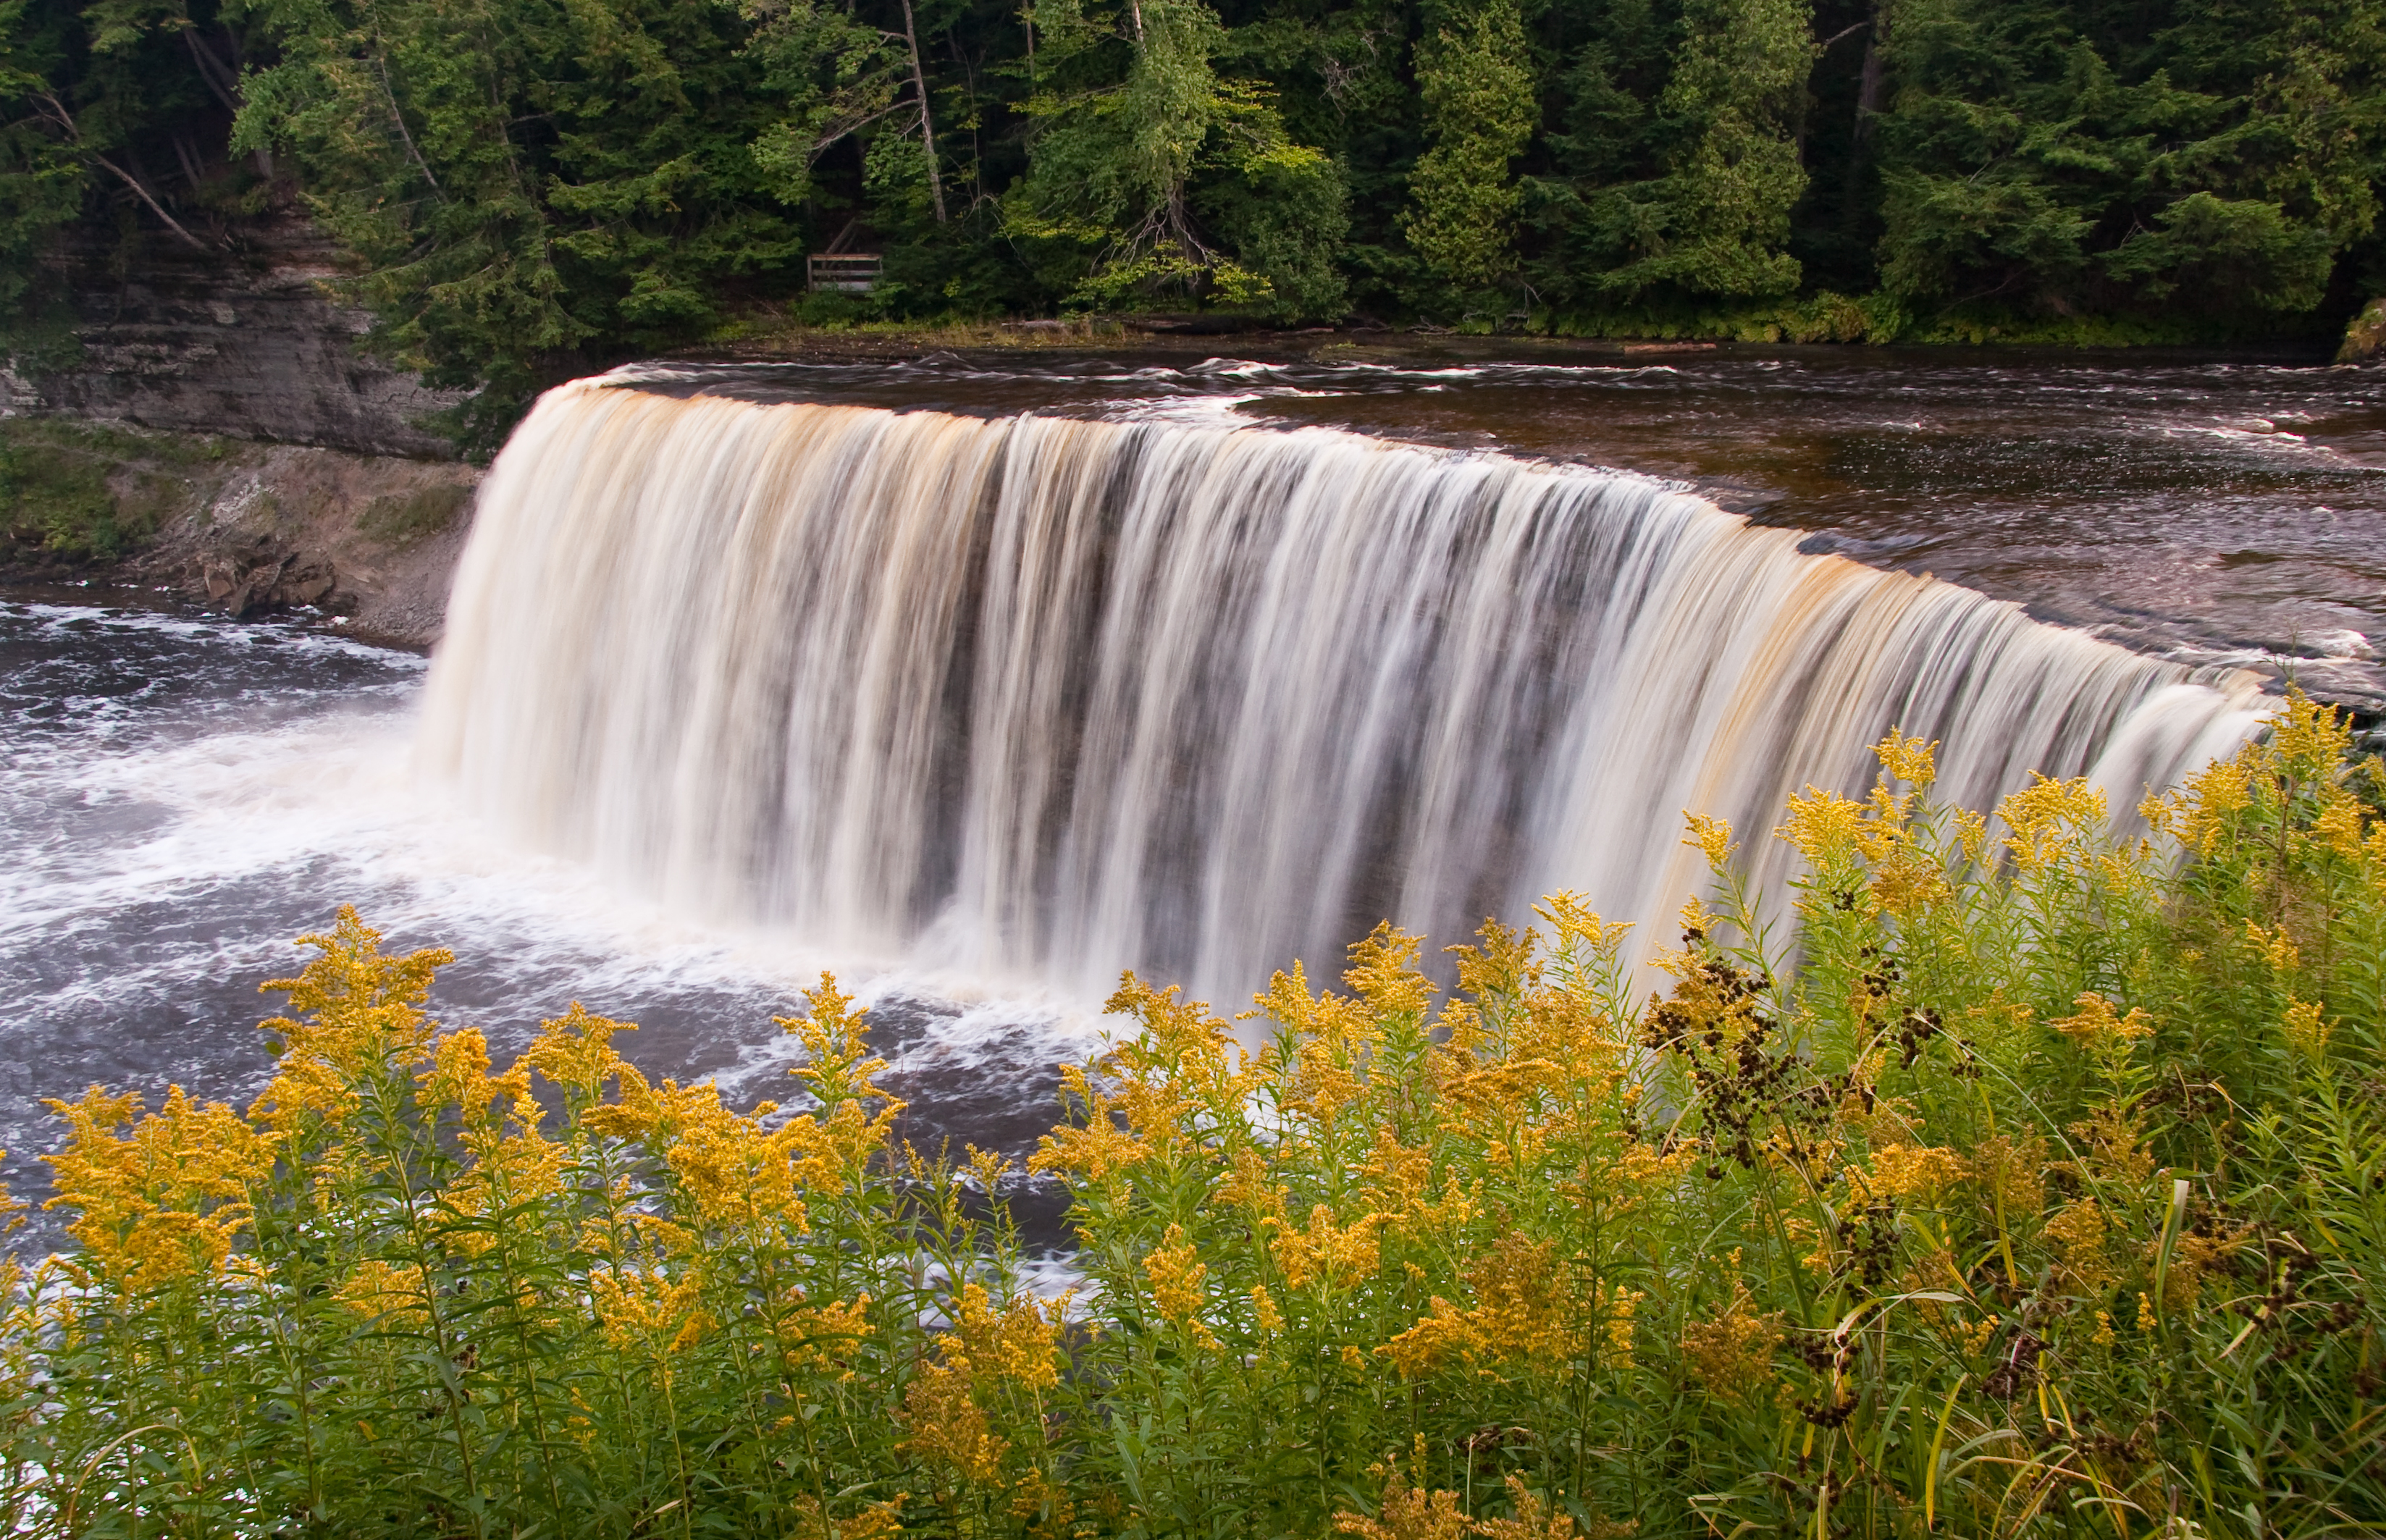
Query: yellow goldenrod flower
[[1914, 1172], [1907, 760], [1500, 963], [1822, 825], [1731, 1352], [2051, 822], [649, 1312], [1382, 972], [575, 1051], [1338, 1257], [354, 1014], [1176, 1281], [2011, 1173], [389, 1293], [162, 1202], [2305, 1032], [1093, 1150], [2208, 803], [1407, 1513], [2098, 1027], [1265, 1317], [1018, 1345], [2077, 1234], [948, 1429], [2278, 949], [2308, 741], [1577, 926], [1711, 835]]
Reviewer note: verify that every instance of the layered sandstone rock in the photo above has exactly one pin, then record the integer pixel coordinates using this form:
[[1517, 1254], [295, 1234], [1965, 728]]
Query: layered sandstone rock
[[268, 460], [245, 343]]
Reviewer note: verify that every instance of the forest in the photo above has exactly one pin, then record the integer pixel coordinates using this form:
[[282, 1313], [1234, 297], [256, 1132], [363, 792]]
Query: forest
[[524, 189]]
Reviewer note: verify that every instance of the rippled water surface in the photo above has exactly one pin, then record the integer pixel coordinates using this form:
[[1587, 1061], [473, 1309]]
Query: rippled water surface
[[184, 794]]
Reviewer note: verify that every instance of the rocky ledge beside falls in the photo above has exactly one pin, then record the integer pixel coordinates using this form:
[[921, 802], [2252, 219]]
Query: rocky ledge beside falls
[[232, 525], [211, 427], [2365, 338]]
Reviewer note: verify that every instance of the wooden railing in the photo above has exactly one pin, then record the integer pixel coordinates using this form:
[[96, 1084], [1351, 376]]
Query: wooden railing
[[855, 274]]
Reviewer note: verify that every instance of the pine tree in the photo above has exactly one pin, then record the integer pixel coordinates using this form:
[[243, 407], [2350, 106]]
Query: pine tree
[[2069, 159], [1126, 161], [1477, 86], [1719, 221]]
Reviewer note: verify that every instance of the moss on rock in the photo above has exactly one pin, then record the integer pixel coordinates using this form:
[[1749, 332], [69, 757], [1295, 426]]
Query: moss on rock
[[2366, 338]]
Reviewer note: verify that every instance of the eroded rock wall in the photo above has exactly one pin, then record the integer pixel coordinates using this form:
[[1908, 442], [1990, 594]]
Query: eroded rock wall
[[233, 525], [241, 342], [254, 457], [371, 540]]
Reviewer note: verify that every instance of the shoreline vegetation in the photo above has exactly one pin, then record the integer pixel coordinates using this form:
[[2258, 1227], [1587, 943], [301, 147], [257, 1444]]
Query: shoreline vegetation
[[520, 192], [2028, 1179]]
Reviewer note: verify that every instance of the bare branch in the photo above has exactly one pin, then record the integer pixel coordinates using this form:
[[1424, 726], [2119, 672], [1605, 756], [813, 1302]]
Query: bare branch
[[838, 129], [142, 192], [212, 70], [65, 120], [390, 95]]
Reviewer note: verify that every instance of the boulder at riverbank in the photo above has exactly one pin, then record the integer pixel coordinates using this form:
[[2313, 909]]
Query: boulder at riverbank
[[234, 526], [2365, 340]]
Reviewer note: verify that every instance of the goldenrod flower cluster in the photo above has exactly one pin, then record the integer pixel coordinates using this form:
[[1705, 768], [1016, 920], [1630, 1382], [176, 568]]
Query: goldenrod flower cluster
[[2022, 1182]]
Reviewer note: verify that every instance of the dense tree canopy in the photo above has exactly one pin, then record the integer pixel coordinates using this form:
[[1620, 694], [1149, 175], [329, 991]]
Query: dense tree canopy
[[528, 186]]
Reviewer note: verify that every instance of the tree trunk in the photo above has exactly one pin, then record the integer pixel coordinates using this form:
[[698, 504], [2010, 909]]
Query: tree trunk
[[1872, 84], [927, 126]]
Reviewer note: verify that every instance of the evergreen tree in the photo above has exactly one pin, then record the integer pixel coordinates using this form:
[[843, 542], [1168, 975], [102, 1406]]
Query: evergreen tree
[[41, 176], [527, 188], [2059, 159], [1685, 188], [1719, 221], [1133, 142], [1476, 84]]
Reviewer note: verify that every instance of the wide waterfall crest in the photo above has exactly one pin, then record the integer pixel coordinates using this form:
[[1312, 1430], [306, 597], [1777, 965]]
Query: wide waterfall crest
[[1056, 697]]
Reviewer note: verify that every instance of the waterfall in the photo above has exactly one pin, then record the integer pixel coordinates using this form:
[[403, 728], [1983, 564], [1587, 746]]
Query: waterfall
[[1056, 697]]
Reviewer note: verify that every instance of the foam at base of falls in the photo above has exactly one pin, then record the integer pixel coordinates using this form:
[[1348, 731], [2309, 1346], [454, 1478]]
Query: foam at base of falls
[[1055, 697]]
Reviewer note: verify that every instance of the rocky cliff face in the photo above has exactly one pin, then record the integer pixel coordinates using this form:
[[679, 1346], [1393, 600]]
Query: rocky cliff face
[[245, 343], [252, 455], [236, 526]]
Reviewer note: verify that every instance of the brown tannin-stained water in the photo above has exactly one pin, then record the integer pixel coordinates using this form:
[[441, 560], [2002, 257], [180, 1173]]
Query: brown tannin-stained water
[[1034, 669], [2212, 507]]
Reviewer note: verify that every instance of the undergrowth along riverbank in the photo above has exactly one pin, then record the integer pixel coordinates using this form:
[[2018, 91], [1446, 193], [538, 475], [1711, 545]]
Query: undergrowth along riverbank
[[2042, 1194]]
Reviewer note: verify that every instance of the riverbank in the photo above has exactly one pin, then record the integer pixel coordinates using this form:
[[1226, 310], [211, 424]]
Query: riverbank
[[233, 525]]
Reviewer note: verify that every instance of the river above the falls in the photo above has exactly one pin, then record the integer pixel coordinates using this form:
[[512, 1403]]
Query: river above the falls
[[2206, 507], [185, 794]]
